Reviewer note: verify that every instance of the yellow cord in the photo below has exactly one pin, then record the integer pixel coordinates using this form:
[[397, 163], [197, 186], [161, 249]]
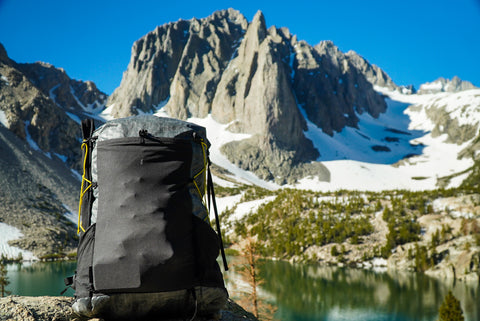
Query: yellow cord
[[83, 191], [204, 172]]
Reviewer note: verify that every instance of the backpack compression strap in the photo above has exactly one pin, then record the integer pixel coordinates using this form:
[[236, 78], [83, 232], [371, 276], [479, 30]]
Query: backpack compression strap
[[211, 194], [86, 193]]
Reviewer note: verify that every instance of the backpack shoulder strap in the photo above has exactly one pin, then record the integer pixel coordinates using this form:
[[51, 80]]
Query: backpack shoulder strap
[[211, 194]]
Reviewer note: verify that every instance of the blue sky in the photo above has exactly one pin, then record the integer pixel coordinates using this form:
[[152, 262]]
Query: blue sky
[[414, 41]]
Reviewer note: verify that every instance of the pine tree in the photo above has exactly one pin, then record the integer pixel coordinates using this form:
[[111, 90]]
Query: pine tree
[[3, 280], [450, 310], [262, 310], [251, 271]]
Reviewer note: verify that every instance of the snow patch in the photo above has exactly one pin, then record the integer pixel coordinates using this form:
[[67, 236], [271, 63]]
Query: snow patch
[[106, 114], [3, 119], [222, 182], [63, 158], [224, 203], [75, 118], [218, 135], [405, 130], [5, 79], [52, 96], [249, 207], [29, 138], [242, 209], [433, 86], [70, 215], [9, 233], [382, 140], [76, 174]]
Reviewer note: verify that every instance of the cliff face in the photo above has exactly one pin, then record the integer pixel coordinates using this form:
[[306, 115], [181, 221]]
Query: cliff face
[[41, 105], [262, 82], [182, 60], [39, 144], [373, 73]]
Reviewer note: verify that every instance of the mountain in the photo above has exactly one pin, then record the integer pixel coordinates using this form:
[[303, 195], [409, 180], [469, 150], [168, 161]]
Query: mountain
[[39, 145], [42, 105], [446, 85], [257, 81], [301, 109], [277, 111]]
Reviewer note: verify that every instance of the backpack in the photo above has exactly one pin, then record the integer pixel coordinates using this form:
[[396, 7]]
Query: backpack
[[146, 247]]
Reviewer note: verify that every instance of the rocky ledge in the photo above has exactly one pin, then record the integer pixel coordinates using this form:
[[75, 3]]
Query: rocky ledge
[[45, 308]]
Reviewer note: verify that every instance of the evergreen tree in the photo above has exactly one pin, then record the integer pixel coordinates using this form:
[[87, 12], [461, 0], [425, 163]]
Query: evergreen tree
[[450, 310], [3, 280], [250, 271]]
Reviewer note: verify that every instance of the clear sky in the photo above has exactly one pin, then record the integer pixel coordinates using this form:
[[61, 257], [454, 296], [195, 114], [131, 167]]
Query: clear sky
[[414, 41]]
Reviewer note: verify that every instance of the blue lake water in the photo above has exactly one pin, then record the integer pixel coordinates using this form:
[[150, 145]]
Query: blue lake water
[[303, 292]]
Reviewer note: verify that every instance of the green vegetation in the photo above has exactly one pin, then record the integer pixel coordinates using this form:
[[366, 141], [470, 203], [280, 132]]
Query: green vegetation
[[52, 257], [4, 259], [221, 191], [401, 221], [3, 280], [450, 310], [297, 220]]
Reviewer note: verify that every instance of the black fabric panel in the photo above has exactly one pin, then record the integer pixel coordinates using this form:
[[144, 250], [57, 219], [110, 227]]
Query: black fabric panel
[[207, 248], [82, 283], [144, 227]]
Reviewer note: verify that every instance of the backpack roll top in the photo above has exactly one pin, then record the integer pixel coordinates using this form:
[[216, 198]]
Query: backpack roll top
[[143, 221]]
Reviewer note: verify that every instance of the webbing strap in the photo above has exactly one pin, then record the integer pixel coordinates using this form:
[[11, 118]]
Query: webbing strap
[[86, 185], [88, 127], [211, 194]]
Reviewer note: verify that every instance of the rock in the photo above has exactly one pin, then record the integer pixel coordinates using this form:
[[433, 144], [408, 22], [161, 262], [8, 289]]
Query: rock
[[446, 123], [69, 94], [17, 308], [445, 85], [40, 103], [181, 60], [332, 90], [259, 81], [373, 73], [36, 191], [39, 144]]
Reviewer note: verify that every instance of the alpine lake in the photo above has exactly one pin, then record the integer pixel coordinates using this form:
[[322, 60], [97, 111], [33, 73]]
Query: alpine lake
[[301, 292]]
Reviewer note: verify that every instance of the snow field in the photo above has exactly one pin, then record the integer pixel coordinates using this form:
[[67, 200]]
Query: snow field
[[9, 233]]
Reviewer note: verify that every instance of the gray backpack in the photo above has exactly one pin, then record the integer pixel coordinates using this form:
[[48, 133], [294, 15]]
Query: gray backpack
[[146, 245]]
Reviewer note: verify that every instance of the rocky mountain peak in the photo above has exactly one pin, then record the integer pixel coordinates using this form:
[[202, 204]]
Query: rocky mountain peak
[[446, 85], [259, 26], [3, 54], [41, 105], [74, 96], [260, 81], [327, 46], [180, 63], [373, 73]]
